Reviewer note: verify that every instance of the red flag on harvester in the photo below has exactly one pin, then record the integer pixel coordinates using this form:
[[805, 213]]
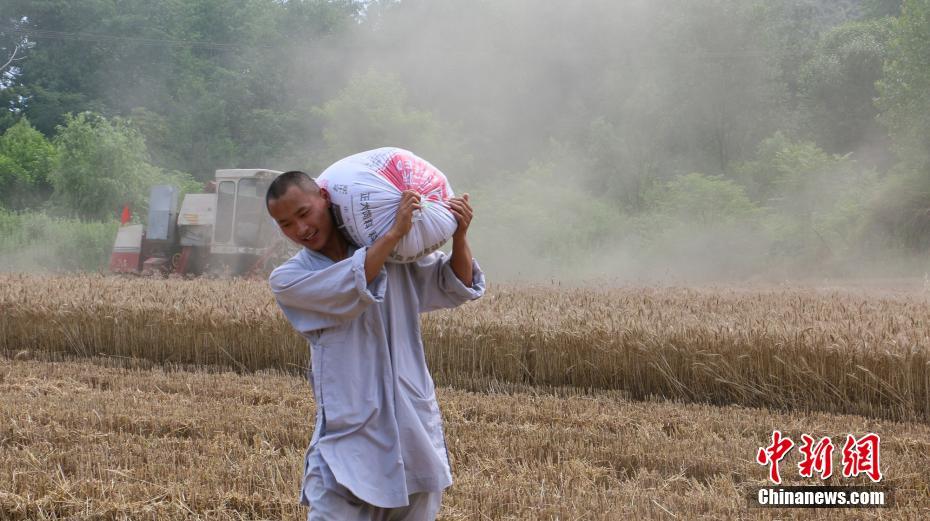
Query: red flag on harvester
[[124, 218]]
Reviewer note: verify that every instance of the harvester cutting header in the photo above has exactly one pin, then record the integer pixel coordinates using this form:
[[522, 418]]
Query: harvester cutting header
[[223, 231]]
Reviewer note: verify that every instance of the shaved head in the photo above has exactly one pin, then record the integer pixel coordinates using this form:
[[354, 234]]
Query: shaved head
[[279, 186]]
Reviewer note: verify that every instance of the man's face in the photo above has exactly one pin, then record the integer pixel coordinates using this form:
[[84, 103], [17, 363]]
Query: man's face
[[303, 217]]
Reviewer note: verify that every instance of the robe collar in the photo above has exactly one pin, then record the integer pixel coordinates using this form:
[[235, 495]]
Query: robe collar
[[310, 254]]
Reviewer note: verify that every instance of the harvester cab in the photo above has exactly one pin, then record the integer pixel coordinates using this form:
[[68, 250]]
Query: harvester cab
[[223, 232]]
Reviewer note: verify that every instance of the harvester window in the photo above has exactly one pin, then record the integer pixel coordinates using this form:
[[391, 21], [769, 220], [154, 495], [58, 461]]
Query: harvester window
[[225, 201], [249, 213]]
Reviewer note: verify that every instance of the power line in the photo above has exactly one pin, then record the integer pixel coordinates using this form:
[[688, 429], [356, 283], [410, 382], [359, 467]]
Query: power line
[[218, 46], [108, 38]]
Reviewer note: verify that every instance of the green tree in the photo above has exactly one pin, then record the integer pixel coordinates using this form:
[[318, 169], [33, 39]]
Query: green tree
[[548, 222], [215, 74], [26, 162], [905, 88], [702, 200], [881, 8], [372, 111], [14, 183], [838, 86], [620, 164], [817, 201], [104, 165], [57, 76], [900, 214], [795, 175], [700, 226]]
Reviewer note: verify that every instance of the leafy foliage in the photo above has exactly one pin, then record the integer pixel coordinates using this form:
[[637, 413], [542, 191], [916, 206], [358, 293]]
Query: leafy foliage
[[372, 111], [546, 220], [104, 165], [702, 200], [905, 87], [26, 162], [650, 121], [838, 84], [818, 201]]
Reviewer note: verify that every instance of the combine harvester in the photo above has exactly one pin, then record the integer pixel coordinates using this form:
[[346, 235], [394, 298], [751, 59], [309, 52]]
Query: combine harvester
[[225, 231]]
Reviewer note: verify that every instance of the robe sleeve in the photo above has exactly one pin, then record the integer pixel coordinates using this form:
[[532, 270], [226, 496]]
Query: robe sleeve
[[318, 299], [439, 288]]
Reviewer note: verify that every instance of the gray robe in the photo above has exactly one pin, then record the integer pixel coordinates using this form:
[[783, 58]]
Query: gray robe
[[378, 425]]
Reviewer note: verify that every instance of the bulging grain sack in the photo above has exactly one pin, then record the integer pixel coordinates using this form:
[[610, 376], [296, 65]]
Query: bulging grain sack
[[365, 190]]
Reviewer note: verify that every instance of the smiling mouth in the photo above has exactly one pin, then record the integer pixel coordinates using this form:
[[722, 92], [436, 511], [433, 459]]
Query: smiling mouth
[[310, 237]]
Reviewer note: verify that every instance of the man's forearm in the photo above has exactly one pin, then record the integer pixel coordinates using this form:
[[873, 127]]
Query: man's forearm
[[462, 260], [378, 253]]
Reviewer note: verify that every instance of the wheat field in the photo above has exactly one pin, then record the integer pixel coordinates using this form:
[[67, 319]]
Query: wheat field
[[170, 399], [88, 440], [851, 351]]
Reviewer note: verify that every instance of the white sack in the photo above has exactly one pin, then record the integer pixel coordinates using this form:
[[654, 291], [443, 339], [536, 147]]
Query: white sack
[[366, 188]]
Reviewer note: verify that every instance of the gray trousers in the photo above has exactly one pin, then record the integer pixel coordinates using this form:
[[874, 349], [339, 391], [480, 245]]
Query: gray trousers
[[337, 503]]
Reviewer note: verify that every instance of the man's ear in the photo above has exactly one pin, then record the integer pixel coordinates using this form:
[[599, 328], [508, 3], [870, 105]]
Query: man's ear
[[325, 195]]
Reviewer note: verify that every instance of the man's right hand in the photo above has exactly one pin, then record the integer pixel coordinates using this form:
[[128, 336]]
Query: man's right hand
[[409, 202], [379, 251]]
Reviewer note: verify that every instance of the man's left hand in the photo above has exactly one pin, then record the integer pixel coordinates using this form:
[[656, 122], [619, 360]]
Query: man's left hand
[[463, 213]]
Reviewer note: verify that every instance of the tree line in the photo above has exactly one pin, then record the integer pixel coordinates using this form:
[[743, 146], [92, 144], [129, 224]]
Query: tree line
[[789, 129]]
